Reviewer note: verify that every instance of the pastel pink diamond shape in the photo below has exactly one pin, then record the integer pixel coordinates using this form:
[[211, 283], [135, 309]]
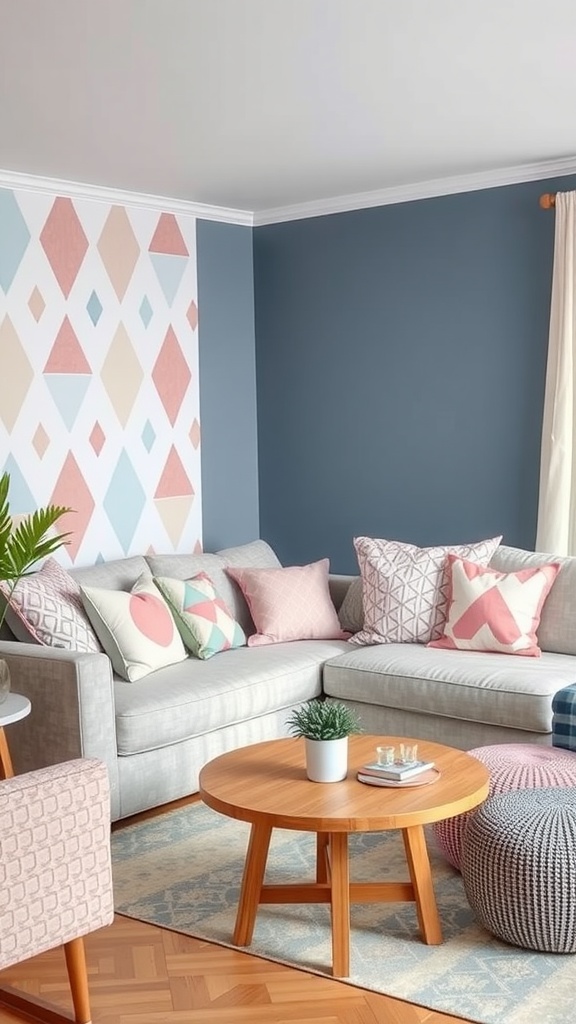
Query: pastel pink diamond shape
[[97, 438], [171, 375], [64, 242], [192, 315], [72, 491]]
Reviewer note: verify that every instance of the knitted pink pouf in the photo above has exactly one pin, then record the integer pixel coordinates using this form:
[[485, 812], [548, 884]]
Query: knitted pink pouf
[[511, 766]]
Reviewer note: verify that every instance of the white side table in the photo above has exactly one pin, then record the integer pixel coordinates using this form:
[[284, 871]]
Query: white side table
[[12, 709]]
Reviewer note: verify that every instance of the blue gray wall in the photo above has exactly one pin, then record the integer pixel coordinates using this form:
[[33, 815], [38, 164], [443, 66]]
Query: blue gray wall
[[401, 357], [227, 384]]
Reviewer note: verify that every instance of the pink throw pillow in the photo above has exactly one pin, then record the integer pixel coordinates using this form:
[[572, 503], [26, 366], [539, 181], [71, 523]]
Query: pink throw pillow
[[495, 611], [293, 603]]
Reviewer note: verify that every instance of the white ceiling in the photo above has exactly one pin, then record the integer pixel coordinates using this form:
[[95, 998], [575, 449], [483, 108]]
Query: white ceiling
[[263, 104]]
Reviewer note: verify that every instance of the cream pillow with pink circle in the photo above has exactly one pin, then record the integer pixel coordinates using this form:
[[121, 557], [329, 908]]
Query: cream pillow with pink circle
[[136, 628]]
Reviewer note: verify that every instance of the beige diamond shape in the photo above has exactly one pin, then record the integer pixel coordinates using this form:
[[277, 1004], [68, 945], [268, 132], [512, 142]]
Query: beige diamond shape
[[40, 441], [122, 375], [16, 376], [36, 304], [119, 249]]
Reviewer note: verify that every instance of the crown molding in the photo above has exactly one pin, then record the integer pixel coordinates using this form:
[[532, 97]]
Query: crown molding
[[317, 208], [418, 190], [79, 190]]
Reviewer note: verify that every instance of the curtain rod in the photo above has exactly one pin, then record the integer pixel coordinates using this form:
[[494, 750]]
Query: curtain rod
[[547, 200]]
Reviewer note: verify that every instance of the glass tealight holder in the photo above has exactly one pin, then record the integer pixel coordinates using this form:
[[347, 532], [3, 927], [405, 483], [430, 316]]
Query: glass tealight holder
[[385, 755], [408, 753]]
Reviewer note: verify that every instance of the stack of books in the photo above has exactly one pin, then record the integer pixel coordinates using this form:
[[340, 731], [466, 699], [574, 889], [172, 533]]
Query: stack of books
[[390, 774]]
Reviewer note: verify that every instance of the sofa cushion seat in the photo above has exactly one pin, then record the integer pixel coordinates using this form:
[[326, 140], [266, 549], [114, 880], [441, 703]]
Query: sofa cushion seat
[[477, 686], [195, 697]]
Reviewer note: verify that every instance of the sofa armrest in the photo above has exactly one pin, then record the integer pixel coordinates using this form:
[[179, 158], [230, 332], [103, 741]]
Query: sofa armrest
[[73, 709], [339, 584]]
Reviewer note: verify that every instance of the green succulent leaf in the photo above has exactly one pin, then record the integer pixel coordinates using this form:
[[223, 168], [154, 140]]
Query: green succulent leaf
[[323, 720]]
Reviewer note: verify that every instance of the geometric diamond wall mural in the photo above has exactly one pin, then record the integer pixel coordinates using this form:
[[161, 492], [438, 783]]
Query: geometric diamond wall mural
[[99, 402]]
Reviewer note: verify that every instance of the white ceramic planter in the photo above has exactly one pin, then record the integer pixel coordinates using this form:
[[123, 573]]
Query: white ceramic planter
[[326, 760]]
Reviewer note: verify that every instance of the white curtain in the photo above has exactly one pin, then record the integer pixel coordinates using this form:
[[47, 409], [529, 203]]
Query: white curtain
[[557, 501]]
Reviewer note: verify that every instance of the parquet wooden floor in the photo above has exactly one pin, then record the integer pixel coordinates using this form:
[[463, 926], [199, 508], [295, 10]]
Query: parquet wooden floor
[[142, 974]]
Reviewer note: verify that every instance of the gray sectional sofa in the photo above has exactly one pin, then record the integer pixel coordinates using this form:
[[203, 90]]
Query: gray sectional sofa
[[156, 734]]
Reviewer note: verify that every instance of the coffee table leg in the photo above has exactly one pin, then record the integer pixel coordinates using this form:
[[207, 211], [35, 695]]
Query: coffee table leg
[[340, 906], [421, 878], [252, 880], [322, 840]]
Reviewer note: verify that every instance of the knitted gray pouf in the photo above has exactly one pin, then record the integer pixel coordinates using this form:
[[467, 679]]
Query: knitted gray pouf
[[519, 868]]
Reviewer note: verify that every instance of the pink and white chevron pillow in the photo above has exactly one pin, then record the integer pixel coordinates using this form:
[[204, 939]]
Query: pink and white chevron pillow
[[495, 611]]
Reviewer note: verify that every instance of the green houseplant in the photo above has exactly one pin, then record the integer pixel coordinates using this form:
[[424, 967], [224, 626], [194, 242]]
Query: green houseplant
[[325, 726], [20, 548]]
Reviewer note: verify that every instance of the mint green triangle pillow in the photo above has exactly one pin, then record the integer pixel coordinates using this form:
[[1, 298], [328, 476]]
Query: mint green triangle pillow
[[204, 621]]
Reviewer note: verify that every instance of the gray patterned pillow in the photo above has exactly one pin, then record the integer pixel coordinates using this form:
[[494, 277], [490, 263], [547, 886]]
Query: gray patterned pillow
[[46, 608]]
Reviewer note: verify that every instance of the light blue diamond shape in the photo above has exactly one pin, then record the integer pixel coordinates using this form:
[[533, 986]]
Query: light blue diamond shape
[[124, 501], [14, 238], [145, 311], [22, 501], [94, 307], [148, 435]]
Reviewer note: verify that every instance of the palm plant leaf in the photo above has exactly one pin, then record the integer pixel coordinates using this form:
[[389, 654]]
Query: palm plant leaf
[[22, 547], [27, 544], [5, 518]]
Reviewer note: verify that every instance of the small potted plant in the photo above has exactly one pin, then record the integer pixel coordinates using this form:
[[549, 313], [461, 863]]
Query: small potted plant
[[20, 548], [325, 726]]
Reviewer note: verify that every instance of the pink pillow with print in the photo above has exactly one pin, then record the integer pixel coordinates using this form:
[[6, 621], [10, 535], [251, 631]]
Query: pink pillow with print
[[293, 603], [46, 608], [495, 611]]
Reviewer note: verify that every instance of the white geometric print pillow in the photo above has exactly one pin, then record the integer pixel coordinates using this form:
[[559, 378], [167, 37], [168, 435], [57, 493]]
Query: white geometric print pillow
[[405, 588]]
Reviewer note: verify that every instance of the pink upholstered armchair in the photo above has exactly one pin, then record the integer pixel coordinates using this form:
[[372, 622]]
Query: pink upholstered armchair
[[55, 873]]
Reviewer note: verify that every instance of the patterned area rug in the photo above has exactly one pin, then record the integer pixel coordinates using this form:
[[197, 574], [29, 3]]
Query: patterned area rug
[[183, 870]]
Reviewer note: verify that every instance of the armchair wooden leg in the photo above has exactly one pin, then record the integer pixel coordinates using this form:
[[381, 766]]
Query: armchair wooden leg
[[78, 975], [35, 1009]]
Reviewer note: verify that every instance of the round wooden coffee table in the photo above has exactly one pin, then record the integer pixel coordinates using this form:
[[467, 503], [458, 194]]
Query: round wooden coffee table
[[266, 785]]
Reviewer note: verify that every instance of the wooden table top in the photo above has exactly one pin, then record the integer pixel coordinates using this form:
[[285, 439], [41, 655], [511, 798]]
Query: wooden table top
[[267, 783]]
